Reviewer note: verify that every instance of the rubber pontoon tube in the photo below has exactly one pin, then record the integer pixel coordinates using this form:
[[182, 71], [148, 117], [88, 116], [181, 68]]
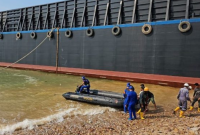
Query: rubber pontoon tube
[[180, 26], [146, 29], [95, 99]]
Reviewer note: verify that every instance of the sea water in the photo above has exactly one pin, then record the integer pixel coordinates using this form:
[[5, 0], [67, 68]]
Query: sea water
[[32, 98]]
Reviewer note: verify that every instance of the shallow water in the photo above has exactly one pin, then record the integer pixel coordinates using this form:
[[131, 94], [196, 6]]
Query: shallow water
[[30, 98]]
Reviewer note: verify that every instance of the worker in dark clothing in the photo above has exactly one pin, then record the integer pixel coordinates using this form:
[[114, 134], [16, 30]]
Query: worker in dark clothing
[[86, 84], [131, 102], [183, 96], [151, 99], [141, 90], [196, 97], [144, 97]]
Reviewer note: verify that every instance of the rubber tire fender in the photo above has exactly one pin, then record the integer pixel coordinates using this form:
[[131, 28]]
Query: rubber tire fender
[[180, 26], [48, 34], [18, 35], [33, 35], [68, 33], [1, 36], [89, 32], [114, 32], [149, 29]]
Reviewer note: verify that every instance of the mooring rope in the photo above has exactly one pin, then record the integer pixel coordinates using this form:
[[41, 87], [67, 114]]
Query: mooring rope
[[48, 36]]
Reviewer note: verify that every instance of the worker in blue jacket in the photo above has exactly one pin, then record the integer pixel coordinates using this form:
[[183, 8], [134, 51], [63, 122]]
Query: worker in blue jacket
[[86, 84], [125, 95], [131, 102]]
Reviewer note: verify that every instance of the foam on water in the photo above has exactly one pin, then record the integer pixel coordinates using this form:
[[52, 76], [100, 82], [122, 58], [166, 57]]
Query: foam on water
[[29, 79], [58, 117]]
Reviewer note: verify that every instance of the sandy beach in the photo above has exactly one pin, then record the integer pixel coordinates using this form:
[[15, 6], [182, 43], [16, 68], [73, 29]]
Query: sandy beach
[[158, 121]]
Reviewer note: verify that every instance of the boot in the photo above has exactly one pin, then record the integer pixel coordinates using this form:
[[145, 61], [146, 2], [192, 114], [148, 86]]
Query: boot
[[198, 109], [141, 115], [177, 108], [191, 108], [181, 114], [138, 112]]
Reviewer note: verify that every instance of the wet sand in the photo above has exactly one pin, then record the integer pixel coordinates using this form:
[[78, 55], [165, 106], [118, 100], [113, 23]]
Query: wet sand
[[160, 121]]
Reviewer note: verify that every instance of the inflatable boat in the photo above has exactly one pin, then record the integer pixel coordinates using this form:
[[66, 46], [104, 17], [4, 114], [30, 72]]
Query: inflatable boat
[[106, 93], [97, 97], [101, 93]]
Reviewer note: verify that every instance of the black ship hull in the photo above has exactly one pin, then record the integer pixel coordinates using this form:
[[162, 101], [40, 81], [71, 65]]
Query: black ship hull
[[166, 50]]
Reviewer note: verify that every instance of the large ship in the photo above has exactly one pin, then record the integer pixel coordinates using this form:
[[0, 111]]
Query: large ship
[[139, 36]]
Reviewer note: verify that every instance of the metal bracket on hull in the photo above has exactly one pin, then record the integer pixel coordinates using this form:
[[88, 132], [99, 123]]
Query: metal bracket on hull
[[106, 14], [4, 25], [119, 14], [38, 18], [187, 9], [64, 12], [72, 18], [74, 12], [24, 19], [44, 27], [167, 11], [134, 12], [150, 11], [55, 14], [83, 17], [31, 19], [19, 20], [95, 9], [1, 21]]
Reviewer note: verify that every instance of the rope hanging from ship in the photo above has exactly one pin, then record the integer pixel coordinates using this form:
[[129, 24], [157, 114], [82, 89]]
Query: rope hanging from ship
[[49, 35]]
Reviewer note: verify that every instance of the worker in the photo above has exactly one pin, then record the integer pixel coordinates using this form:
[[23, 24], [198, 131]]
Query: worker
[[141, 90], [131, 102], [151, 99], [125, 95], [144, 97], [183, 96], [196, 97], [86, 84]]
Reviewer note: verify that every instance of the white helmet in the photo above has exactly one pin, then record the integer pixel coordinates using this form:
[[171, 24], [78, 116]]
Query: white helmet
[[190, 87], [186, 85]]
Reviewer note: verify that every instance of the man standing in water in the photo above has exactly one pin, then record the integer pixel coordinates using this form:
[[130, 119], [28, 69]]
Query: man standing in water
[[183, 96], [86, 84], [196, 97], [131, 102]]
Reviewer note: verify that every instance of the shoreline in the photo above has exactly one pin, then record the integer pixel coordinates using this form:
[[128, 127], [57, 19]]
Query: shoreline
[[116, 123]]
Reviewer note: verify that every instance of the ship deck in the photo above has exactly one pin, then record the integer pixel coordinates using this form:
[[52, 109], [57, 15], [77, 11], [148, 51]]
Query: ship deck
[[173, 81]]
